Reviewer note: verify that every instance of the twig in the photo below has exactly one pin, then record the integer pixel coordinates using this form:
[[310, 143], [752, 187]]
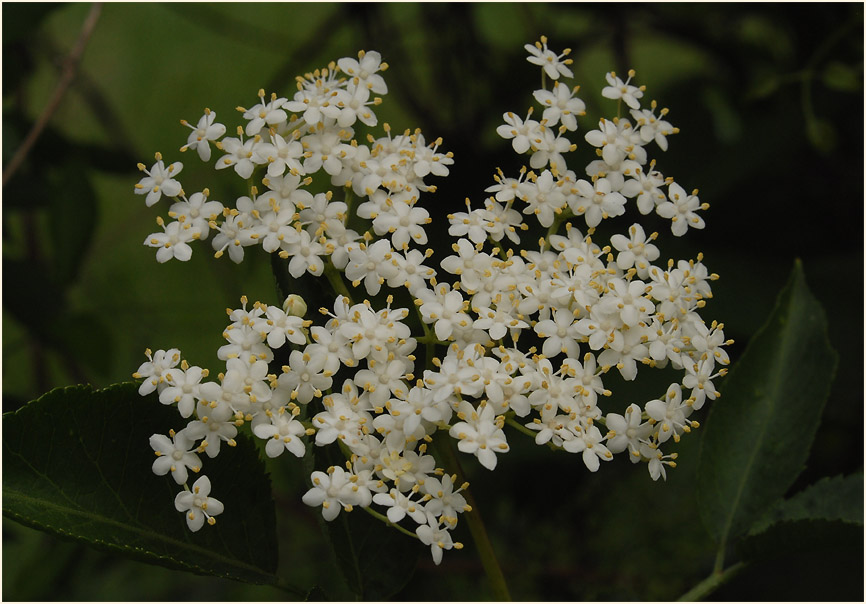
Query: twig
[[711, 583], [66, 77]]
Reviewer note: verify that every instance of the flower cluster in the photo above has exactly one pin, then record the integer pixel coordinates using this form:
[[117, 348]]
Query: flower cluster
[[350, 378]]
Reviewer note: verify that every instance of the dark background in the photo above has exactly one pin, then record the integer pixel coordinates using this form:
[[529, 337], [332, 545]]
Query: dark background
[[769, 101]]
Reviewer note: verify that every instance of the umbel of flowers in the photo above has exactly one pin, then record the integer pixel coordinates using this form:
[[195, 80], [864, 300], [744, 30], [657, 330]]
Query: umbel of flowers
[[351, 380]]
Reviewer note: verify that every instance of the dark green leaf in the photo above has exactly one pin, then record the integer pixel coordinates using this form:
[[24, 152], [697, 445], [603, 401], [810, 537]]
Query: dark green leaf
[[845, 78], [20, 21], [828, 515], [375, 560], [77, 463], [72, 218], [837, 498], [822, 134], [758, 435]]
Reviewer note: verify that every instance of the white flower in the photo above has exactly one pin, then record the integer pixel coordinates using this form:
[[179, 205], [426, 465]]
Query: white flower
[[523, 134], [264, 114], [196, 211], [627, 297], [437, 538], [405, 468], [404, 222], [174, 455], [305, 253], [549, 150], [554, 65], [305, 375], [479, 434], [197, 506], [657, 460], [279, 327], [159, 181], [647, 187], [635, 251], [373, 264], [280, 155], [238, 153], [366, 70], [699, 378], [332, 491], [412, 273], [618, 142], [670, 414], [627, 432], [325, 149], [596, 202], [445, 500], [354, 105], [215, 425], [173, 242], [652, 127], [588, 442], [681, 210], [543, 197], [182, 388], [560, 333], [203, 132], [560, 105], [153, 371], [499, 321], [617, 89], [445, 310], [400, 505], [283, 433]]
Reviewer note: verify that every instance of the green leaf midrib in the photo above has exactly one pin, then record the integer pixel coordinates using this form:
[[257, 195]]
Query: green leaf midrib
[[776, 387], [146, 532], [112, 516]]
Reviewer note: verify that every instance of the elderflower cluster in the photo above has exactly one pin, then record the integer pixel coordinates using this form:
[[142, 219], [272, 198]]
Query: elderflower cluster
[[517, 335]]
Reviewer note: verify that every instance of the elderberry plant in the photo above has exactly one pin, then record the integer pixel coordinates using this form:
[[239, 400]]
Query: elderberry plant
[[512, 333]]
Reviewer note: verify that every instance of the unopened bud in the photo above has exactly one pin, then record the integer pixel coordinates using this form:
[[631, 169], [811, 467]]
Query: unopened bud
[[295, 306]]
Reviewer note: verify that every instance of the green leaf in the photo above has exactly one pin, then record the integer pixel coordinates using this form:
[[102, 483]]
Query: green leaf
[[837, 498], [758, 436], [826, 515], [842, 77], [72, 219], [77, 463], [375, 560]]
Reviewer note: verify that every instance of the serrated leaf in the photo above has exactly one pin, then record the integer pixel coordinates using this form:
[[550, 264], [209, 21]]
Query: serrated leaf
[[805, 535], [837, 498], [758, 436], [77, 463], [375, 560], [828, 514]]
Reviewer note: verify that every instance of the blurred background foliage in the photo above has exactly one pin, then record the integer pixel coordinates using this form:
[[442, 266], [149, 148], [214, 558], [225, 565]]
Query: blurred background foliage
[[769, 100]]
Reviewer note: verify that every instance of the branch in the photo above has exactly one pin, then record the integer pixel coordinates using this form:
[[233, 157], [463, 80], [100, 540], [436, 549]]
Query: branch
[[69, 69]]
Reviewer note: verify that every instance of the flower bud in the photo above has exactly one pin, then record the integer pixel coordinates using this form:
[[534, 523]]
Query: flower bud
[[295, 306]]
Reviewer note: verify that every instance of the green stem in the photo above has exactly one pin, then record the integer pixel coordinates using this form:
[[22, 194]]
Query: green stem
[[336, 281], [473, 518], [720, 558], [564, 215], [711, 583], [280, 270], [520, 427], [384, 519], [290, 589]]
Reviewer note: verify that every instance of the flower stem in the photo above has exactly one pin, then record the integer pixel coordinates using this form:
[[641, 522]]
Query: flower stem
[[476, 524], [336, 280], [384, 519], [711, 583]]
